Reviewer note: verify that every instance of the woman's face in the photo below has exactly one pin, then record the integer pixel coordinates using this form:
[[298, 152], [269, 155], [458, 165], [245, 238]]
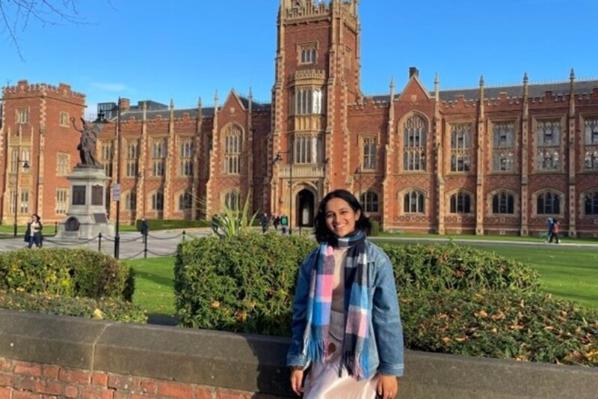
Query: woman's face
[[340, 217]]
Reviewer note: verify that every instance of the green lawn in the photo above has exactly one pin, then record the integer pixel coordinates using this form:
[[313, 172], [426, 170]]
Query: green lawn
[[568, 273], [535, 238], [154, 284]]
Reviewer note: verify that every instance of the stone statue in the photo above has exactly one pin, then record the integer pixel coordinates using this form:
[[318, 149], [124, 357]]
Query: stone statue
[[87, 144]]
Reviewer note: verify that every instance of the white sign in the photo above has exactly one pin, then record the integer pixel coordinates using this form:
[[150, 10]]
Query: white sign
[[116, 192]]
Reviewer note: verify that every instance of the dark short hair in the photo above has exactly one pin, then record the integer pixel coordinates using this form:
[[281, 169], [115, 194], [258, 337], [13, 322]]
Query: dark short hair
[[323, 234]]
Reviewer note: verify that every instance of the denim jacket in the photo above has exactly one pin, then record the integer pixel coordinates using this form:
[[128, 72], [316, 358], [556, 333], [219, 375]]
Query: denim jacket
[[385, 350]]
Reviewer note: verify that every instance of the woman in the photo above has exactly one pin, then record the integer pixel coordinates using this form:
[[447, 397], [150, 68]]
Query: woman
[[346, 321], [35, 226]]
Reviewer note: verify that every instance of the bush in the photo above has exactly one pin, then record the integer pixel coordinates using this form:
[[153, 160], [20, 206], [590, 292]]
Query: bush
[[375, 230], [65, 272], [438, 267], [239, 283], [109, 308], [523, 326]]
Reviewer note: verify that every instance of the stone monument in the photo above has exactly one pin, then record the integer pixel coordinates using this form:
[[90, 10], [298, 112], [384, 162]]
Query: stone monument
[[86, 215]]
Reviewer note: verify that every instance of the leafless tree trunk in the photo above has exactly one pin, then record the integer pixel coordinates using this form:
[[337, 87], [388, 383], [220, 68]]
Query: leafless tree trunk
[[15, 15]]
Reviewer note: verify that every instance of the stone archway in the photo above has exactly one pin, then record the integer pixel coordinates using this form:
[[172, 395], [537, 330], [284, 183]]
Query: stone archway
[[305, 209]]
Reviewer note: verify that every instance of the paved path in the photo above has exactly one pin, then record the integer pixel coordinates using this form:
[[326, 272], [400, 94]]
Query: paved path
[[164, 243], [160, 243]]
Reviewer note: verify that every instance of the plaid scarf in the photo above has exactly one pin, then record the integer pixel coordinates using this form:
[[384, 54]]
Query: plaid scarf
[[315, 337]]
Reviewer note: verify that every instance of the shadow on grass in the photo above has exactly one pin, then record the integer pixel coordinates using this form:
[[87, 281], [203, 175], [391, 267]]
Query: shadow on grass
[[160, 280], [162, 319]]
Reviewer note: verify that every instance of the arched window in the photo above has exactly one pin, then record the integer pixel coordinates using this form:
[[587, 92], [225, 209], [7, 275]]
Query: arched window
[[185, 201], [548, 203], [232, 200], [591, 203], [461, 202], [461, 147], [414, 202], [309, 101], [503, 203], [232, 150], [548, 138], [158, 201], [414, 152], [131, 201], [369, 201]]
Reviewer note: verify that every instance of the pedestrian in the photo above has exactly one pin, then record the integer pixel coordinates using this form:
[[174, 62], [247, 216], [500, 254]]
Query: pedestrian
[[265, 222], [284, 223], [276, 222], [346, 320], [556, 229], [35, 231], [549, 227]]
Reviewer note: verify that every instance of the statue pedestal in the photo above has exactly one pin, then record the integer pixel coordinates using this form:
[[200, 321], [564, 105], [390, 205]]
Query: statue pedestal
[[86, 216]]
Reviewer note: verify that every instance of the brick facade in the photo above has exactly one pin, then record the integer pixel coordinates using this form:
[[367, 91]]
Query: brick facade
[[479, 160]]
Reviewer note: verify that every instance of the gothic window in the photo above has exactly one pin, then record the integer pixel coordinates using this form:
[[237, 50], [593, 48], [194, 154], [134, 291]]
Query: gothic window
[[132, 158], [62, 164], [61, 201], [461, 147], [185, 201], [22, 116], [548, 203], [309, 101], [305, 147], [548, 136], [503, 146], [232, 150], [369, 153], [107, 158], [158, 157], [232, 200], [24, 202], [19, 160], [414, 202], [64, 119], [591, 203], [131, 201], [503, 203], [415, 144], [461, 202], [308, 55], [158, 201], [13, 197], [185, 155], [369, 201], [591, 144]]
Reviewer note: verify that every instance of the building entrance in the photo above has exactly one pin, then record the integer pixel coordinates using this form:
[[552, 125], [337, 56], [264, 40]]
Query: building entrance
[[305, 210]]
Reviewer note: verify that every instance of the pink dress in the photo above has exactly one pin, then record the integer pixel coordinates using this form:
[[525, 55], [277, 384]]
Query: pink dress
[[323, 381]]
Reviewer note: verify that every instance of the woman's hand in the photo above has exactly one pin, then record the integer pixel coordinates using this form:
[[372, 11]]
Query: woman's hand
[[296, 381], [387, 387]]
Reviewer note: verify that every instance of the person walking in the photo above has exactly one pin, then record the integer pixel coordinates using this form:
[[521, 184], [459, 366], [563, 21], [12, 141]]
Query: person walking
[[346, 322], [549, 227], [265, 222], [35, 228], [556, 229], [276, 222]]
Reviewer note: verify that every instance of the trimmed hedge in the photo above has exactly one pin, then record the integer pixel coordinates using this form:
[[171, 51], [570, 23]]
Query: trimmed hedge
[[500, 324], [165, 224], [450, 266], [454, 299], [65, 272], [109, 308]]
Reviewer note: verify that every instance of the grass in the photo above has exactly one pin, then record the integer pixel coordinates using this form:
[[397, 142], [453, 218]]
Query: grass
[[567, 273], [532, 238], [154, 284]]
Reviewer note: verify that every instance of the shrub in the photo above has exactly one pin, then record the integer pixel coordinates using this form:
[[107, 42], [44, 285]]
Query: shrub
[[451, 266], [165, 224], [375, 230], [239, 283], [65, 272], [109, 308], [524, 326]]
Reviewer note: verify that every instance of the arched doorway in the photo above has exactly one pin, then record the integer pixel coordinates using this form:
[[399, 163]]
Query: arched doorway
[[305, 210]]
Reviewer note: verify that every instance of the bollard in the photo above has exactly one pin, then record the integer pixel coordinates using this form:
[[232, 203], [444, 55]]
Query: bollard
[[55, 228], [184, 235], [100, 242], [145, 246]]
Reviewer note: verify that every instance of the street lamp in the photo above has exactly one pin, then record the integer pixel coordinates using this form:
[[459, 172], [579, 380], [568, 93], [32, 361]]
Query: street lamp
[[358, 173], [16, 200], [277, 158]]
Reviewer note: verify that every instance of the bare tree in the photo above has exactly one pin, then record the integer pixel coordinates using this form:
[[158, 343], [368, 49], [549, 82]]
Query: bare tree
[[16, 15]]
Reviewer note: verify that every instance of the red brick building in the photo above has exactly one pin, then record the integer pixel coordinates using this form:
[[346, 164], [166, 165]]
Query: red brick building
[[484, 160]]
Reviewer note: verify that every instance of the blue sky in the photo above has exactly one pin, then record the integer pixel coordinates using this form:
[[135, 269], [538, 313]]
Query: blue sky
[[185, 49]]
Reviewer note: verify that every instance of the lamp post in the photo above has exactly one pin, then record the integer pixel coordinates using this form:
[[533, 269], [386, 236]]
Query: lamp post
[[16, 199], [358, 173], [118, 146], [277, 158]]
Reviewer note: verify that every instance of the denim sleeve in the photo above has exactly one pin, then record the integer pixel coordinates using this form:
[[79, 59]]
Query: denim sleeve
[[386, 319], [294, 355]]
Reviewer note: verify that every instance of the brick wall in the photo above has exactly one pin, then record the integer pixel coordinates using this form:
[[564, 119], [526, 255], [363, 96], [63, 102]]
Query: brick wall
[[26, 380]]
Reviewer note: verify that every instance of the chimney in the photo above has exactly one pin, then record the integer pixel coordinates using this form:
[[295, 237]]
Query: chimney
[[125, 104], [413, 72]]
